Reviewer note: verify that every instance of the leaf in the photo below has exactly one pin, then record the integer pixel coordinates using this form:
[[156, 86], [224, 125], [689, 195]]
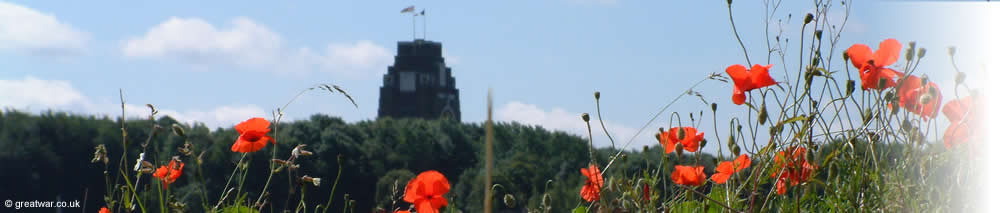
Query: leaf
[[794, 119], [580, 210]]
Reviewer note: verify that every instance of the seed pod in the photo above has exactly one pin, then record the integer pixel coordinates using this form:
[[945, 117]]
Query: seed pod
[[178, 130], [809, 18], [951, 51], [850, 87], [586, 117], [846, 56], [597, 95], [819, 34], [921, 52], [714, 107], [703, 143], [509, 200], [882, 82]]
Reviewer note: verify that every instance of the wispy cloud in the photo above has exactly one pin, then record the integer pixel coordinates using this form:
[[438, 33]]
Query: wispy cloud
[[246, 43], [27, 30], [570, 122]]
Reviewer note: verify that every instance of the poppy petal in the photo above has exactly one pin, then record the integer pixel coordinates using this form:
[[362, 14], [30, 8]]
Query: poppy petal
[[741, 162], [256, 123], [887, 53], [438, 202], [738, 97], [721, 178], [760, 77], [741, 78], [860, 54]]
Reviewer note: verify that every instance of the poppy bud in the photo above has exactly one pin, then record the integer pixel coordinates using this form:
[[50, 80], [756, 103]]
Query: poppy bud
[[732, 141], [867, 115], [703, 143], [912, 44], [809, 18], [730, 2], [819, 34], [586, 117], [597, 95], [679, 148], [951, 51], [509, 200], [762, 116], [921, 52], [850, 87], [546, 200], [906, 125], [178, 130], [882, 82], [846, 56], [739, 128], [736, 150], [714, 107], [681, 133], [645, 148], [909, 54], [926, 98], [959, 77]]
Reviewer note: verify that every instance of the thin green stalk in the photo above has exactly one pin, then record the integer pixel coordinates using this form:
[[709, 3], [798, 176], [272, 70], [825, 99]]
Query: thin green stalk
[[340, 168]]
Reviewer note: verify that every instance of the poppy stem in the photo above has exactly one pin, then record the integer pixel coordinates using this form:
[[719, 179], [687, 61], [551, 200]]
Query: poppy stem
[[709, 198], [732, 23]]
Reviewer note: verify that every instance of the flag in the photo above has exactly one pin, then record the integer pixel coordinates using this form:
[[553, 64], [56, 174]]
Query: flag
[[408, 9], [419, 14]]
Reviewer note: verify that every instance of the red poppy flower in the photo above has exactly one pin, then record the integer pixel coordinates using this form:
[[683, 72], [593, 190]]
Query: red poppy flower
[[168, 174], [872, 66], [726, 169], [923, 100], [253, 135], [691, 140], [426, 191], [745, 80], [964, 117], [688, 175], [591, 190], [104, 210], [795, 168]]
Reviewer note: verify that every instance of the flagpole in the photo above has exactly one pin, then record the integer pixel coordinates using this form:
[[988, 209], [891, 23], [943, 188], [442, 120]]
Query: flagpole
[[425, 23], [414, 27]]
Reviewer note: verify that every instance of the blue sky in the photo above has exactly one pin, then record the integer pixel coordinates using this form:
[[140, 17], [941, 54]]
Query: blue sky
[[220, 62]]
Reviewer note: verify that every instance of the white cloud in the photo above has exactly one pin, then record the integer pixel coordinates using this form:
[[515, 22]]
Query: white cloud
[[248, 44], [26, 29], [570, 122], [34, 95]]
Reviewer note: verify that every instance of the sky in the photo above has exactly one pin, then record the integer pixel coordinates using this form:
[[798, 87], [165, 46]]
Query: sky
[[221, 62]]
